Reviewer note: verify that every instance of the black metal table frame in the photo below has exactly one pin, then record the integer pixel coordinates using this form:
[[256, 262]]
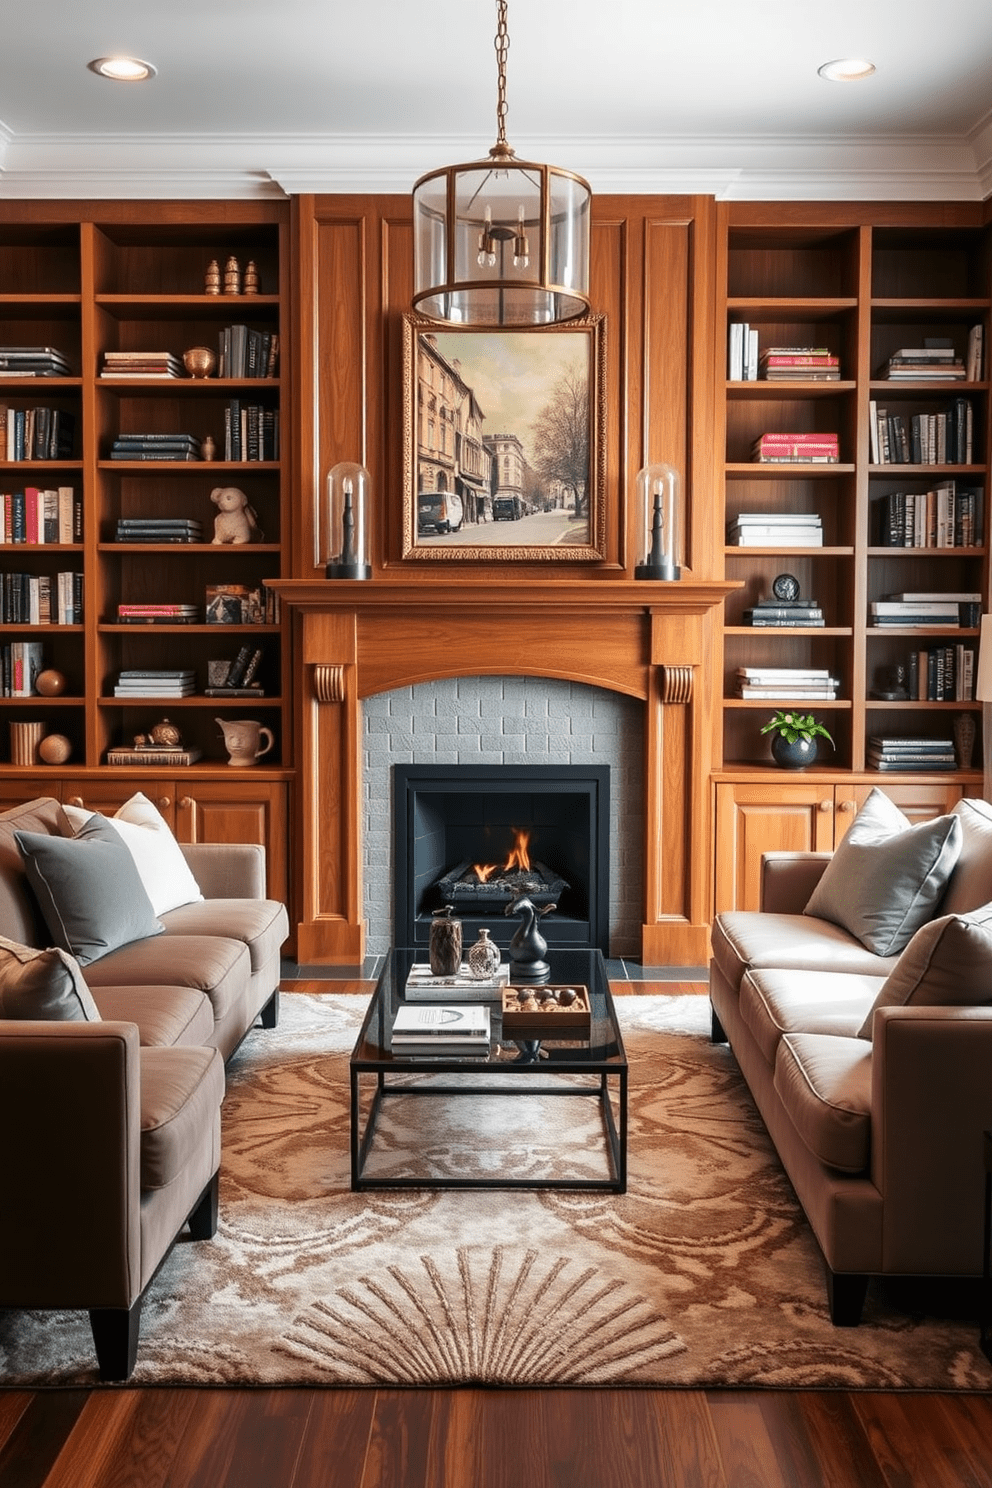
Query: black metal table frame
[[517, 1080]]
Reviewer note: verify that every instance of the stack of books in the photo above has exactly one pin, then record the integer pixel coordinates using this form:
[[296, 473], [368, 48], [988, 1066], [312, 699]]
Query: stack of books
[[441, 1030], [910, 754], [148, 682], [158, 530], [33, 361], [742, 365], [158, 614], [141, 364], [934, 361], [785, 613], [776, 530], [800, 364], [796, 449], [916, 609], [155, 447], [158, 756], [423, 986], [787, 682]]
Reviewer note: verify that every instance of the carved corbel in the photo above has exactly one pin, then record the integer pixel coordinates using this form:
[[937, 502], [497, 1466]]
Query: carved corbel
[[328, 682], [676, 683]]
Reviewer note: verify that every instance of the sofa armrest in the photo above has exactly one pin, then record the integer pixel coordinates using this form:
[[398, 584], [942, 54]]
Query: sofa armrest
[[70, 1233], [227, 870], [789, 878], [931, 1102]]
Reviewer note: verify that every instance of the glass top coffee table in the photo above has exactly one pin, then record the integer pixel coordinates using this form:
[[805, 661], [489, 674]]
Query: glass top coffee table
[[589, 1066]]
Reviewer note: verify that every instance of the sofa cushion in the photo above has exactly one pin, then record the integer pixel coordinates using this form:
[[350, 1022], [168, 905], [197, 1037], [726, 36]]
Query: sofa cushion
[[89, 890], [744, 938], [181, 1091], [218, 967], [163, 1015], [948, 963], [157, 855], [47, 985], [20, 915], [970, 884], [887, 876], [824, 1084], [262, 924], [777, 1002]]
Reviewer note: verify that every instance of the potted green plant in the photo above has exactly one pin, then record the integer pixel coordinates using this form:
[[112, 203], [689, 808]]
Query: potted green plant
[[794, 738]]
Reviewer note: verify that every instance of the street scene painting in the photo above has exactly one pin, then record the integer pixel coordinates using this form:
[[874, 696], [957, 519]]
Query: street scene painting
[[502, 442]]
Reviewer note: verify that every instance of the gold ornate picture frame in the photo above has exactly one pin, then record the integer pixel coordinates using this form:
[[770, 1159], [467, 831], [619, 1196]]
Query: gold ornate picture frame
[[504, 442]]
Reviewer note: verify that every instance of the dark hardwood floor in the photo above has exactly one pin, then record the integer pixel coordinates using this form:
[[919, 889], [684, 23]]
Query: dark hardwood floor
[[470, 1438]]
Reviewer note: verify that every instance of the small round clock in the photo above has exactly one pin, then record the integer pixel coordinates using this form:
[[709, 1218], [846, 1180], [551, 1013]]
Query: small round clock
[[785, 587]]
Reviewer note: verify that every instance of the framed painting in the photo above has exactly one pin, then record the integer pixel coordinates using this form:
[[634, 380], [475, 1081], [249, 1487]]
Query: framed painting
[[504, 442]]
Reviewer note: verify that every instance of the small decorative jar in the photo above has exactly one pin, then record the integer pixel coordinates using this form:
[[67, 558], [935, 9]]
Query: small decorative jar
[[445, 947], [484, 957]]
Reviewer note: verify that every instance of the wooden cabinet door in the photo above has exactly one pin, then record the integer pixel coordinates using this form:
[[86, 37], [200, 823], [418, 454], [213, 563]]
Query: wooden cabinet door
[[775, 816], [16, 789], [108, 794], [920, 801], [242, 810]]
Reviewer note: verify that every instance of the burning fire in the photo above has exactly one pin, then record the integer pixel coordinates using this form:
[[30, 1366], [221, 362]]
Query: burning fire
[[517, 858]]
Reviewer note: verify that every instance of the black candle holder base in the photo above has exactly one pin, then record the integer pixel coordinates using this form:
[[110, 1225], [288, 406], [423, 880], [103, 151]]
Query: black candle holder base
[[665, 571], [348, 571]]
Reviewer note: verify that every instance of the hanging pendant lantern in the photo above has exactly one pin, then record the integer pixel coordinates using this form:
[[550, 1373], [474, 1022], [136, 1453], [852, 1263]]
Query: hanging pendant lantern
[[502, 241]]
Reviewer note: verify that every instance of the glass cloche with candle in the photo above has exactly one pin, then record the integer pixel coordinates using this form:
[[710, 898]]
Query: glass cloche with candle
[[658, 523], [346, 522]]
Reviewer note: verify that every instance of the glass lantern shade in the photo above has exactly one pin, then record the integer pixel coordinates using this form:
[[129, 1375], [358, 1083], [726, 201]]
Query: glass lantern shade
[[658, 523], [501, 242], [346, 522]]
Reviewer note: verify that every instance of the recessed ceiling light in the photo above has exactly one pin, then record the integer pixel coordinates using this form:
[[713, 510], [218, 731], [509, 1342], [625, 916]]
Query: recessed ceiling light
[[122, 69], [846, 70]]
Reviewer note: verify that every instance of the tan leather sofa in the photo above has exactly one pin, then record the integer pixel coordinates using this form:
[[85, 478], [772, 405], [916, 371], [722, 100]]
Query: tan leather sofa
[[877, 1116], [112, 1120]]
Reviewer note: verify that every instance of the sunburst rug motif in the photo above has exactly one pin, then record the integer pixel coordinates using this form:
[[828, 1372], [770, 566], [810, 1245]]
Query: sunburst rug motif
[[704, 1273]]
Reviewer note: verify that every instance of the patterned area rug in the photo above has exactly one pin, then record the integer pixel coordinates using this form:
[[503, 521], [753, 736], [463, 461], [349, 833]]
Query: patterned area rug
[[703, 1274]]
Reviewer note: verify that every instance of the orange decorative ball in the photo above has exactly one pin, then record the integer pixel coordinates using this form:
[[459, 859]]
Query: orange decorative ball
[[54, 749], [50, 683]]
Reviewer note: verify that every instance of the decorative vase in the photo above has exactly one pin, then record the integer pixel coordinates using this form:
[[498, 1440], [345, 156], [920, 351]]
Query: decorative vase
[[528, 947], [445, 948], [793, 756], [484, 957], [199, 361]]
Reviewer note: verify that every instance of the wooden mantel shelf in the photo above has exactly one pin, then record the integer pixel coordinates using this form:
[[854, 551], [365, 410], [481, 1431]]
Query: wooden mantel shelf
[[653, 641]]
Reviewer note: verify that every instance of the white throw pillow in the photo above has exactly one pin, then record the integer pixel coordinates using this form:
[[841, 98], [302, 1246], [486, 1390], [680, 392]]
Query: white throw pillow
[[157, 855]]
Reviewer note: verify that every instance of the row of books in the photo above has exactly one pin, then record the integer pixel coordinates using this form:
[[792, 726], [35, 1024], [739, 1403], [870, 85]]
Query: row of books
[[158, 530], [925, 438], [155, 447], [799, 364], [796, 449], [41, 599], [784, 613], [894, 753], [20, 663], [241, 674], [936, 360], [251, 432], [37, 516], [775, 530], [142, 682], [941, 674], [948, 516], [742, 352], [36, 433], [141, 364], [33, 361], [244, 352], [923, 608], [787, 682]]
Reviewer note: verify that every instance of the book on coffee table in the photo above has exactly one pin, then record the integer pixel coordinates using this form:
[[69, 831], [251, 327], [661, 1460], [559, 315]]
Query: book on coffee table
[[423, 986], [441, 1026]]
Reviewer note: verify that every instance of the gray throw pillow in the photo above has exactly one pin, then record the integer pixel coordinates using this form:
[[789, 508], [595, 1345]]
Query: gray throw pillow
[[948, 963], [46, 985], [886, 876], [88, 889]]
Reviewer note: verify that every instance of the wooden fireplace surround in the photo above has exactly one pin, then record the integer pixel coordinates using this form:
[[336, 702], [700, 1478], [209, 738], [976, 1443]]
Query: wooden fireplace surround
[[656, 642]]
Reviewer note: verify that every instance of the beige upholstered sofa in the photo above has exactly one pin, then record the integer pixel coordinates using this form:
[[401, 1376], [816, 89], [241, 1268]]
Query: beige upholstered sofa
[[868, 1051], [112, 1050]]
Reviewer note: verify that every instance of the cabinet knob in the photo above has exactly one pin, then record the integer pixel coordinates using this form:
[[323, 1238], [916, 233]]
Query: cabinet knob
[[827, 805], [848, 806], [163, 802], [74, 801], [185, 803]]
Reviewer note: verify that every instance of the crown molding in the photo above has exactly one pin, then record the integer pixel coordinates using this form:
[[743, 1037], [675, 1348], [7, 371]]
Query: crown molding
[[842, 168]]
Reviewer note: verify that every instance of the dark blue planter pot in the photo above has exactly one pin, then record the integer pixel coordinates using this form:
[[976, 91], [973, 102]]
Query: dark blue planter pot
[[793, 756]]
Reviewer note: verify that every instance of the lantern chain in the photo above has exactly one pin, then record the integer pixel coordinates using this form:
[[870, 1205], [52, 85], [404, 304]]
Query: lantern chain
[[502, 44]]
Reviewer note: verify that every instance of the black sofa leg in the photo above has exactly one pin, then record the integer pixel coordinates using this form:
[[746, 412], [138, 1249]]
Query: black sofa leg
[[115, 1336], [269, 1016], [203, 1220], [717, 1035], [846, 1294]]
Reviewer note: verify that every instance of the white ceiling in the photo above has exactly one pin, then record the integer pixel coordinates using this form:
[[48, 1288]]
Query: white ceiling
[[720, 96]]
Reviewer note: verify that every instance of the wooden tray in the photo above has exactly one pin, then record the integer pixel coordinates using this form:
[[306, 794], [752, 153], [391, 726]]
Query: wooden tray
[[547, 1018]]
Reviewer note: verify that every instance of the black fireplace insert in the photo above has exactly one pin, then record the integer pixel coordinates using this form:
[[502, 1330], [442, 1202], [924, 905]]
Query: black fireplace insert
[[479, 836]]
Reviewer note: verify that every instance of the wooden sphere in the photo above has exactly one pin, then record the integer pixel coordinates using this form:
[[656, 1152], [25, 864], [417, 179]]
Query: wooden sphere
[[50, 683], [54, 749]]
